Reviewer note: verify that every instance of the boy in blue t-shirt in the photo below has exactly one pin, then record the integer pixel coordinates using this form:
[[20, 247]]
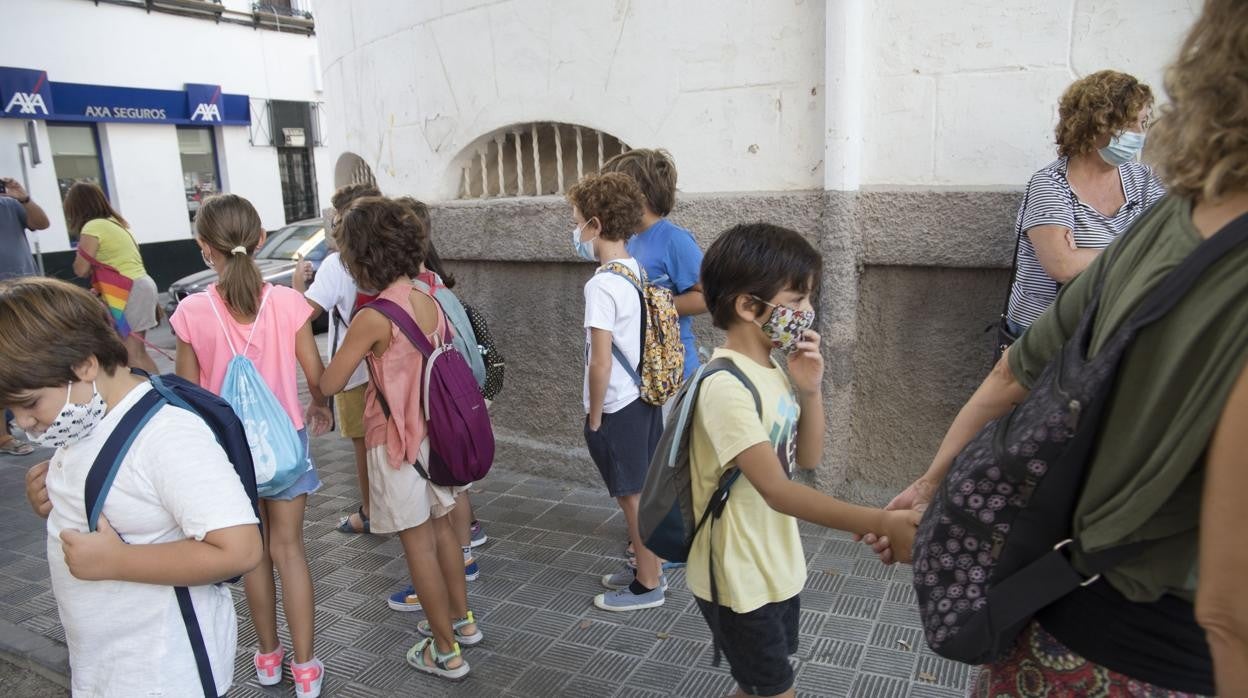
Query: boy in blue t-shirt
[[667, 251]]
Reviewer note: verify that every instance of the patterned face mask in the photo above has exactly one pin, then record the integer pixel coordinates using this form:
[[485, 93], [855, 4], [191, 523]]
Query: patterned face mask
[[786, 325], [73, 423]]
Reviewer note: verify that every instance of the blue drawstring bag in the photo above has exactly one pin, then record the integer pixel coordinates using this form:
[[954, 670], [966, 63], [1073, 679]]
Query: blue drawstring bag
[[276, 449]]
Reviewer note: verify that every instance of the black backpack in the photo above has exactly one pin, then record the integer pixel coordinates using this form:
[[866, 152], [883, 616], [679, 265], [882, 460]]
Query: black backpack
[[993, 547], [220, 417], [495, 364]]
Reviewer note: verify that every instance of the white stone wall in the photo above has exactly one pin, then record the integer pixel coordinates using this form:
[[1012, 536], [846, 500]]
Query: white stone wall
[[78, 41], [949, 93]]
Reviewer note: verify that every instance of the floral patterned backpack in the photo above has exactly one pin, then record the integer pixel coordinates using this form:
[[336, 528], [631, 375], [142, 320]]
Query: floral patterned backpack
[[662, 355]]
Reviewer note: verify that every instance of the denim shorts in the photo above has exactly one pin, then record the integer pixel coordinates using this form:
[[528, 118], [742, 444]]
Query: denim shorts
[[307, 483], [758, 644], [623, 444]]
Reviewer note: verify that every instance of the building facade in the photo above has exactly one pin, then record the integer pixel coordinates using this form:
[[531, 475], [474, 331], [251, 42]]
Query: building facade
[[163, 103], [895, 134]]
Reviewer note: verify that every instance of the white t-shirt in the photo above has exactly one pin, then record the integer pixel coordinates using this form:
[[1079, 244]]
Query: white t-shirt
[[333, 288], [125, 638], [612, 303]]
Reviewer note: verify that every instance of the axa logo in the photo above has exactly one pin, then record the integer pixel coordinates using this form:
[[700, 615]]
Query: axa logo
[[28, 103], [206, 112]]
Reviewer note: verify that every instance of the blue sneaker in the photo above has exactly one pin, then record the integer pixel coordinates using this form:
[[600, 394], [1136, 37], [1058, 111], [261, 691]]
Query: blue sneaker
[[405, 600], [625, 600], [471, 570], [478, 534]]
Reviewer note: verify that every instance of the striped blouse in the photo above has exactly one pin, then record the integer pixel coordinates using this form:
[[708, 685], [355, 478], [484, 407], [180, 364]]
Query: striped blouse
[[1050, 201]]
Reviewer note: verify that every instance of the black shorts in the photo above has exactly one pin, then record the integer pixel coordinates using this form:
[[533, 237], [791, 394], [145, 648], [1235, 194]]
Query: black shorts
[[758, 644], [622, 446]]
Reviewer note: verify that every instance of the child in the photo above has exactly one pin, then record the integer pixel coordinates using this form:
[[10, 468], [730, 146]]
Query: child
[[270, 324], [758, 281], [621, 431], [383, 245], [185, 517], [334, 291]]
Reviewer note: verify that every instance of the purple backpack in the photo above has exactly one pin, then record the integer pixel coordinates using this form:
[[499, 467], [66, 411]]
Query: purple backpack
[[461, 440]]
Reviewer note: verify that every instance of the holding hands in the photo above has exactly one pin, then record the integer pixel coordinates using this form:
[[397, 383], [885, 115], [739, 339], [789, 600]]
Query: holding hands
[[319, 418]]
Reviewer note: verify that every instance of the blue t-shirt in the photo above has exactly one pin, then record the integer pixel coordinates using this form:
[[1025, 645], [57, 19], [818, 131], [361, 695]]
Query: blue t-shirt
[[673, 260], [15, 258]]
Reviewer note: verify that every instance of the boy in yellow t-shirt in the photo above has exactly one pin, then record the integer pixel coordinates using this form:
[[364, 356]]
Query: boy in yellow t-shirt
[[758, 280]]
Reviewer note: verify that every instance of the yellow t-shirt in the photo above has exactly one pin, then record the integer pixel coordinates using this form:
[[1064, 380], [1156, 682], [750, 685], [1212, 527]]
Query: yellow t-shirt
[[117, 247], [758, 551]]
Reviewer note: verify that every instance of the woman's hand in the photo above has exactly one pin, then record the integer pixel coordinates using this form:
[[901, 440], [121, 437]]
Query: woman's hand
[[916, 497], [806, 365]]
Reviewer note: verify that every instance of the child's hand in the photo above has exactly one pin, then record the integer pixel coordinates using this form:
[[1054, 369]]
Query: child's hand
[[37, 489], [806, 365], [93, 556], [319, 418], [897, 530]]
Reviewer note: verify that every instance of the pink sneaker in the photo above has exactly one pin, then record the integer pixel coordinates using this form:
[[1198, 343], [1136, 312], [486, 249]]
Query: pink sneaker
[[269, 667], [308, 678]]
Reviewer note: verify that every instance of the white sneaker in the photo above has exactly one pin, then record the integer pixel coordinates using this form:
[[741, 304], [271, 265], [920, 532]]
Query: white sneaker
[[269, 666], [308, 678]]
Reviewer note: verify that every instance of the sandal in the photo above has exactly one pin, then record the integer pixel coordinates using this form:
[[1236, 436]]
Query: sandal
[[416, 658], [465, 640], [345, 525], [14, 446]]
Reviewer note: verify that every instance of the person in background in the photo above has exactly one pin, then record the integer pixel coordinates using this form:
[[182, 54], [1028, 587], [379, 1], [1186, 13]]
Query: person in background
[[1092, 193], [18, 213], [1171, 462], [104, 238], [334, 291]]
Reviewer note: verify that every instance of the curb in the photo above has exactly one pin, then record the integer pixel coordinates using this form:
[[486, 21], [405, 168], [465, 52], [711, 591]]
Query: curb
[[30, 650]]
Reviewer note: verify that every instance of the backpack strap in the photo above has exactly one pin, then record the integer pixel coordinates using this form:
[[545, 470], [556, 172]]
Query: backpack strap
[[623, 271], [100, 480], [719, 498]]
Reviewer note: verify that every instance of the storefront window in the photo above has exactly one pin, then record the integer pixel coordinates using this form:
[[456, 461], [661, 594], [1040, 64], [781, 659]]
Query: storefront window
[[199, 166], [75, 157]]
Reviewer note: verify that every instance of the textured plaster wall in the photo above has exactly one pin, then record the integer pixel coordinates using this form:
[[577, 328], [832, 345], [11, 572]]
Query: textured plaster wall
[[903, 341]]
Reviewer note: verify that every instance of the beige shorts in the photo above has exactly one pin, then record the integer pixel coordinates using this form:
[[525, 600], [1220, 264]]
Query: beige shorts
[[400, 498], [350, 407], [141, 305]]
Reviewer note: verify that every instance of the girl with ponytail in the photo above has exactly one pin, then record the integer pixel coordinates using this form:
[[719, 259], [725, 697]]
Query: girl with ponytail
[[271, 324]]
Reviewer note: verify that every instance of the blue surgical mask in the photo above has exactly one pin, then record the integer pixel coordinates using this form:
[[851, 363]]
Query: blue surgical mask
[[1122, 148], [584, 248]]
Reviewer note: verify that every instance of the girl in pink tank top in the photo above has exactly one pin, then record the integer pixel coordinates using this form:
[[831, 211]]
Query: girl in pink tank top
[[383, 245]]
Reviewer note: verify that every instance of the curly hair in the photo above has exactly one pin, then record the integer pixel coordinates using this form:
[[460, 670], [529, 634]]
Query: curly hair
[[614, 199], [1105, 102], [655, 174], [381, 241], [350, 192], [433, 262], [1200, 144]]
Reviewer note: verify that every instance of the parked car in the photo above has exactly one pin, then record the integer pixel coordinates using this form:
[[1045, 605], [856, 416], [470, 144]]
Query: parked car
[[276, 259]]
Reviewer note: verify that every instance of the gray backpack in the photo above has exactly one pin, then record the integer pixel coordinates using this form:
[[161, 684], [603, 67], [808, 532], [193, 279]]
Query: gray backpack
[[666, 516]]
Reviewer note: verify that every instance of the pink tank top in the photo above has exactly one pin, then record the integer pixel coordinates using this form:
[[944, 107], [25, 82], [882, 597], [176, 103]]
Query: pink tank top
[[398, 372]]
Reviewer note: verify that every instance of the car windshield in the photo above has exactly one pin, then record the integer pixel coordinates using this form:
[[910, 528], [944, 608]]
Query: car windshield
[[295, 241]]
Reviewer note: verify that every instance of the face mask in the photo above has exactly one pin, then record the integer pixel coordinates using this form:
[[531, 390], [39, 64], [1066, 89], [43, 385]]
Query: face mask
[[584, 248], [73, 423], [786, 326], [1122, 148]]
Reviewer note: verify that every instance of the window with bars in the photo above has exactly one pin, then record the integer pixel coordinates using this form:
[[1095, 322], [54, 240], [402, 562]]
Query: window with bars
[[535, 159]]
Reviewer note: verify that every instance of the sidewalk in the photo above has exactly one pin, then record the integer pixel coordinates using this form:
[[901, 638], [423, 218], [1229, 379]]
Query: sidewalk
[[549, 543]]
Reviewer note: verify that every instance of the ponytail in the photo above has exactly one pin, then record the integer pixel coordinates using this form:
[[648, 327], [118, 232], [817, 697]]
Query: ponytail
[[230, 225]]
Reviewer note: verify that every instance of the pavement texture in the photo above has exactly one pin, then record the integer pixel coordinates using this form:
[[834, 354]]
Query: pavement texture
[[549, 543]]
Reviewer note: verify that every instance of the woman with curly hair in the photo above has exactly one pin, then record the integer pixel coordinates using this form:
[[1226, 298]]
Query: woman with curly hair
[[1076, 205], [1170, 465]]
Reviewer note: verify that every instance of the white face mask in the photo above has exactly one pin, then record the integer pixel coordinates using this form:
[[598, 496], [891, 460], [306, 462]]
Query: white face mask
[[73, 423]]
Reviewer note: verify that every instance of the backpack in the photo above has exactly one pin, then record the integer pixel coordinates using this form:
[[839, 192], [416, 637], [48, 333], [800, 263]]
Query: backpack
[[993, 546], [225, 425], [464, 337], [461, 439], [666, 518], [662, 365], [276, 449], [495, 364]]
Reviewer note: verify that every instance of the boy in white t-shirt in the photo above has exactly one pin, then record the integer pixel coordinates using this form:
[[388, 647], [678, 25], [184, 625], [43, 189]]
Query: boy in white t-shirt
[[621, 430], [176, 515]]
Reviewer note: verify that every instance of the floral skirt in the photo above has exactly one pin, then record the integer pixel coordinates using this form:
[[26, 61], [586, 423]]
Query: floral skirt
[[1041, 667]]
